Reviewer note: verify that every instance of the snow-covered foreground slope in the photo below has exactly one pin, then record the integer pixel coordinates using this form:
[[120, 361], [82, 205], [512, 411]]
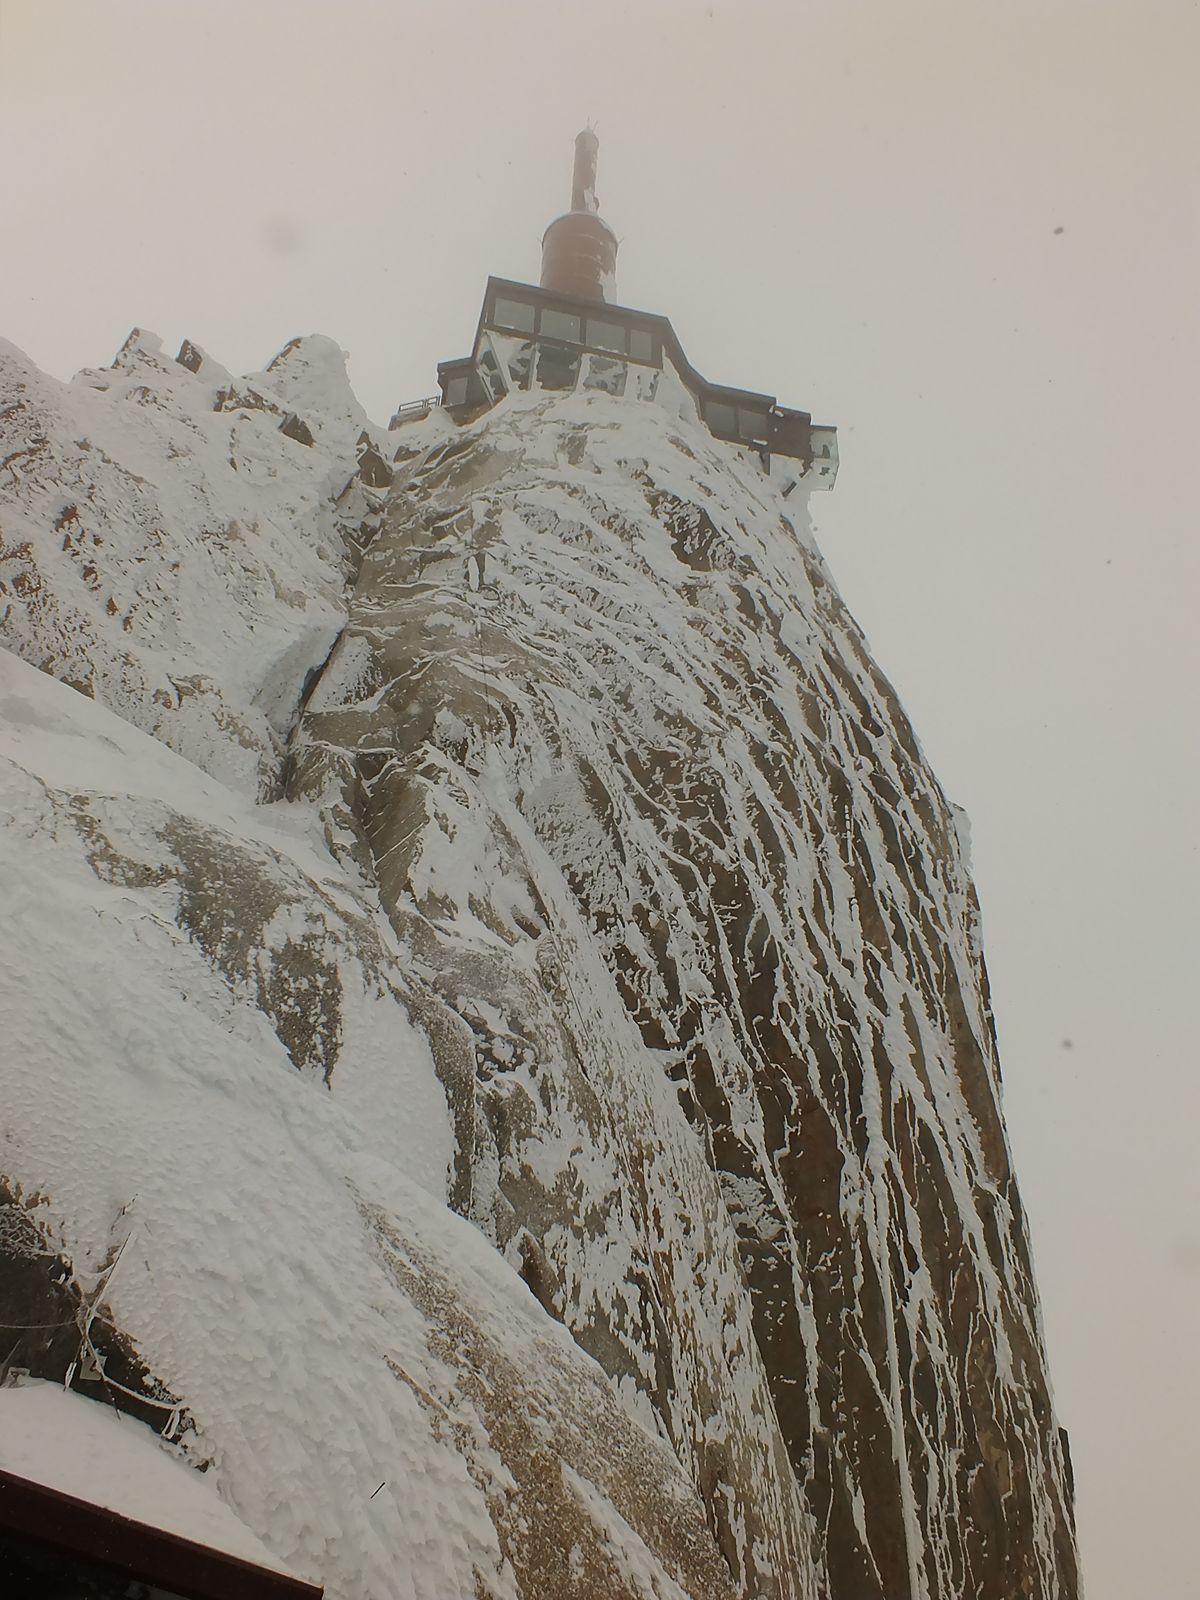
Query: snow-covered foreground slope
[[272, 1232], [575, 1106]]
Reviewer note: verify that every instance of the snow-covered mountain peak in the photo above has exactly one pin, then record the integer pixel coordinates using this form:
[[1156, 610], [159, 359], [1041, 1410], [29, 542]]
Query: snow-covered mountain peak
[[553, 1149]]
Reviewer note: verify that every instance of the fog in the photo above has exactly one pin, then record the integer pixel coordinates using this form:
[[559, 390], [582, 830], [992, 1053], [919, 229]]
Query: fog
[[968, 237]]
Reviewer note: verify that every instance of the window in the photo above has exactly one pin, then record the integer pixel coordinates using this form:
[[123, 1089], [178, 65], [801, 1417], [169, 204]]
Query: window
[[561, 325], [557, 368], [641, 344], [456, 390], [644, 384], [607, 335], [520, 362], [489, 371], [513, 314], [515, 356], [721, 419], [751, 424], [602, 372]]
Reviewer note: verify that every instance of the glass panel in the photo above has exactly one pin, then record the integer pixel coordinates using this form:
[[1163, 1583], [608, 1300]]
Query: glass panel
[[751, 424], [456, 390], [720, 418], [489, 371], [645, 382], [603, 372], [608, 335], [560, 325], [513, 314], [520, 363], [790, 432], [557, 368], [641, 344], [515, 357]]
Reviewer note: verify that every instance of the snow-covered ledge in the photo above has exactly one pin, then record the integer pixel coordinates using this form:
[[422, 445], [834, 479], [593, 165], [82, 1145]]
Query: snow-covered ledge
[[117, 1495]]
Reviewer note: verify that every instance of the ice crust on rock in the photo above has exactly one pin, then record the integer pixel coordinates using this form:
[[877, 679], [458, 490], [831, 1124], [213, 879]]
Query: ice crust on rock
[[515, 1031]]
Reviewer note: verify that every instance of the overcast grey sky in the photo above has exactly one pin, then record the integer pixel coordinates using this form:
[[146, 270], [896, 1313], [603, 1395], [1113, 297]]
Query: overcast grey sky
[[965, 233]]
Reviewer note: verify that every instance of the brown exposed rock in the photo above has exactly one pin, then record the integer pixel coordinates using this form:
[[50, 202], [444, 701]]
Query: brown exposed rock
[[372, 468], [189, 356], [836, 1066], [295, 428]]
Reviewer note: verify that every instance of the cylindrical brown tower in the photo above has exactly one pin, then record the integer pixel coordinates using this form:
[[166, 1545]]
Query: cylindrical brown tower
[[579, 249]]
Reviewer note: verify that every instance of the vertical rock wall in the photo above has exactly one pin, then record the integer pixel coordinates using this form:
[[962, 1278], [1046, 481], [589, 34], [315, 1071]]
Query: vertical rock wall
[[657, 829]]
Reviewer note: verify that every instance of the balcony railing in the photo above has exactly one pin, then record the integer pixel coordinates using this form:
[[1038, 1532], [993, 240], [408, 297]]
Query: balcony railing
[[414, 410]]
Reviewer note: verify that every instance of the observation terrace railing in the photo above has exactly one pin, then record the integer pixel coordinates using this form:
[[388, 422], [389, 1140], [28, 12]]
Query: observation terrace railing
[[414, 410]]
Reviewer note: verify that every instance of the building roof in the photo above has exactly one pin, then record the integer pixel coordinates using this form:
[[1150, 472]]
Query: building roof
[[91, 1535]]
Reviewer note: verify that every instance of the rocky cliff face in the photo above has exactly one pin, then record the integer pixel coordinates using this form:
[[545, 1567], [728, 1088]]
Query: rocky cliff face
[[568, 1095]]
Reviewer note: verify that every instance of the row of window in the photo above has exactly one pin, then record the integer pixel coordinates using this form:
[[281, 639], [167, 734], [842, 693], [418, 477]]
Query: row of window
[[602, 333], [514, 362], [558, 368], [735, 422], [552, 366]]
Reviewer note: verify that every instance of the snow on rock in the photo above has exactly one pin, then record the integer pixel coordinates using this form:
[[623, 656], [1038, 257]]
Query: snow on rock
[[268, 1222], [170, 547], [635, 791], [495, 1046]]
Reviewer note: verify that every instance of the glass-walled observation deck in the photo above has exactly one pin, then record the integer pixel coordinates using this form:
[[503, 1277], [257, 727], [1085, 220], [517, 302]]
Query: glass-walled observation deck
[[534, 338]]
